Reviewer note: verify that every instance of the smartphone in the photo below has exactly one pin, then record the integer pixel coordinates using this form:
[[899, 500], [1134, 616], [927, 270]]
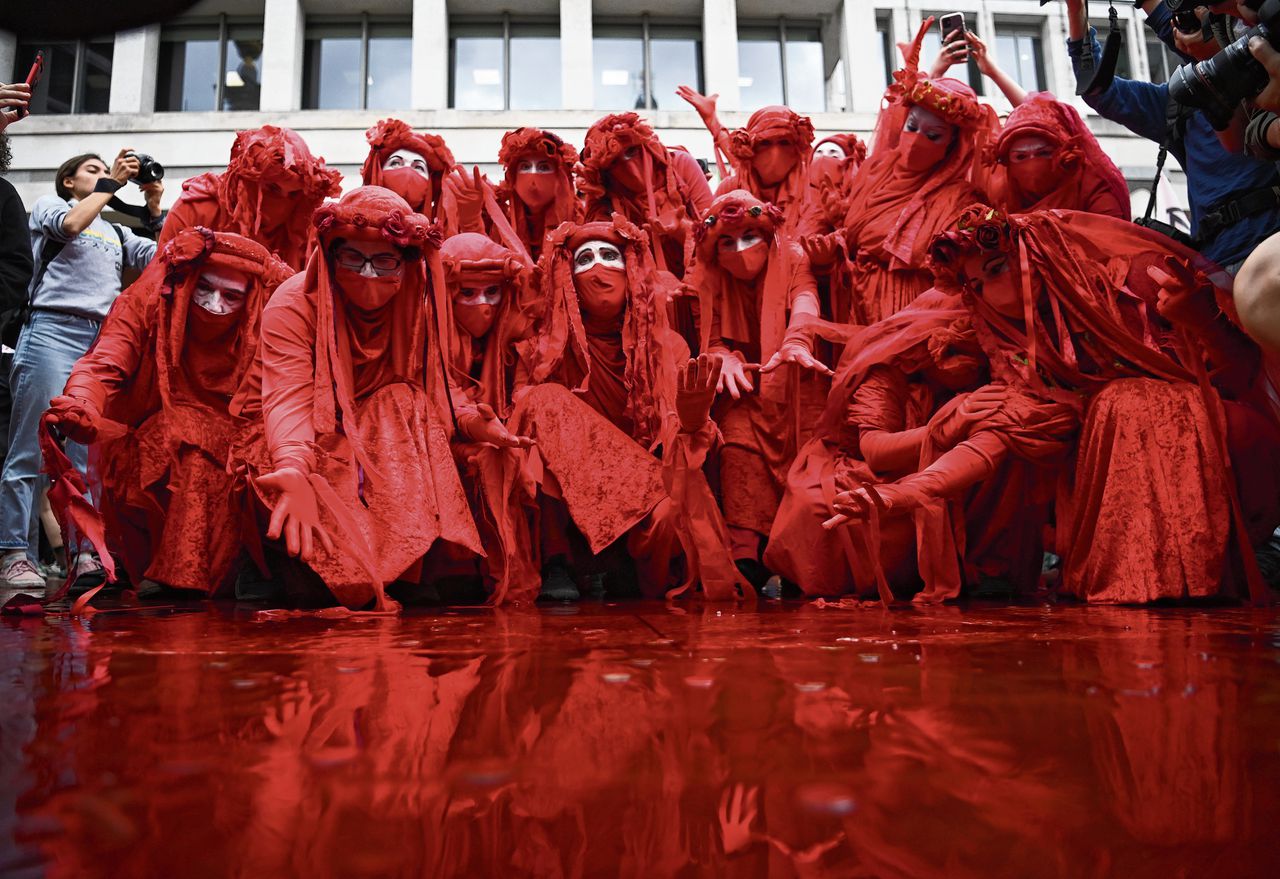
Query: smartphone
[[33, 77], [952, 21]]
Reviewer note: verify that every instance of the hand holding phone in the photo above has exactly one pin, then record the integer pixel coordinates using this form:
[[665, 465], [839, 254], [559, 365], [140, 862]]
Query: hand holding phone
[[15, 99]]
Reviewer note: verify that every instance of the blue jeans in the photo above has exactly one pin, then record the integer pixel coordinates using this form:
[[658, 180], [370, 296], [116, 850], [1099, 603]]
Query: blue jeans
[[49, 345]]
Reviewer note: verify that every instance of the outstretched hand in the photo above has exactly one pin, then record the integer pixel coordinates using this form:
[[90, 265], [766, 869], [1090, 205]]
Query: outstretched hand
[[704, 104], [488, 428], [796, 352], [733, 376], [855, 505], [1186, 295], [296, 514], [696, 390], [77, 419]]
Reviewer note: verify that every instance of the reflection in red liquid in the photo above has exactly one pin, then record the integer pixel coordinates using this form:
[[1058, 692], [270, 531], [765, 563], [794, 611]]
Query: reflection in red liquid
[[636, 741]]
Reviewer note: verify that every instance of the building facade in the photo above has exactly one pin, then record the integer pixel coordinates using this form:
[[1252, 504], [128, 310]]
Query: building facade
[[470, 70]]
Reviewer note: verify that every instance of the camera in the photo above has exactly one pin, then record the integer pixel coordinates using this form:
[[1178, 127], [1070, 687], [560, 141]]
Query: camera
[[1186, 21], [149, 170], [1217, 85]]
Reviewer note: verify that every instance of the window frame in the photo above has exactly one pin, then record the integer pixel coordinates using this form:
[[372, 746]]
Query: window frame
[[223, 25], [778, 27], [80, 70], [320, 27], [668, 28], [480, 27]]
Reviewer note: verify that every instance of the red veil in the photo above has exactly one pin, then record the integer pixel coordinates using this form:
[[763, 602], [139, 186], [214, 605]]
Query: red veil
[[774, 122], [523, 143], [390, 135]]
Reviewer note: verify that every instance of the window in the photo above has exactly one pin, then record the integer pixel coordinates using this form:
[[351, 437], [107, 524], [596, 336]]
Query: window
[[638, 66], [191, 56], [932, 45], [884, 44], [1019, 54], [782, 64], [504, 64], [1161, 60], [77, 75], [356, 64], [1122, 63]]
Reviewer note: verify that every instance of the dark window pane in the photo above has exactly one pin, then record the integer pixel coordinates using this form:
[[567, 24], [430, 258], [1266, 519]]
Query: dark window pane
[[332, 73], [389, 65], [242, 87], [95, 83], [54, 92], [884, 45], [759, 69], [619, 71], [1161, 60], [675, 62], [477, 73], [535, 73], [187, 75], [806, 85]]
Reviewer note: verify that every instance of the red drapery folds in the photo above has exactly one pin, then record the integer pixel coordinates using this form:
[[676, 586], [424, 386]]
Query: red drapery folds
[[775, 124], [534, 143], [390, 135], [1089, 180], [163, 372], [1147, 511], [356, 398], [893, 212], [271, 186]]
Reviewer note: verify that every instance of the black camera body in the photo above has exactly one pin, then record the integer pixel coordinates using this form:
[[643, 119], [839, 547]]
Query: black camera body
[[1217, 85], [149, 170]]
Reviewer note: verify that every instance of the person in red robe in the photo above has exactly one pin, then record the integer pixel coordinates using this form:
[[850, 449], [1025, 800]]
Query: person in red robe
[[268, 192], [757, 304], [833, 167], [537, 192], [153, 396], [414, 165], [602, 388], [357, 408], [925, 167], [1099, 326], [626, 169]]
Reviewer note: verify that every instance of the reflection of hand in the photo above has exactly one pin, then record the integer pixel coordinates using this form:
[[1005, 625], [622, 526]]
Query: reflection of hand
[[78, 419], [296, 514], [291, 721], [796, 352], [696, 390], [733, 376], [1269, 97], [737, 813], [488, 428]]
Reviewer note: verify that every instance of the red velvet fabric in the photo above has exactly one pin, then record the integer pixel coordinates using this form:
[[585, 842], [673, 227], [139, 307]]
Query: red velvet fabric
[[233, 201]]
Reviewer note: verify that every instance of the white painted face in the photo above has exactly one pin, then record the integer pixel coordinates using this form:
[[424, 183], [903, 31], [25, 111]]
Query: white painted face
[[535, 166], [829, 150], [745, 241], [403, 158], [595, 253], [221, 290]]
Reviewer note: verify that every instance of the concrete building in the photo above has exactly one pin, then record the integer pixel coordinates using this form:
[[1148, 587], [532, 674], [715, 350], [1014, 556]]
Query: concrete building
[[473, 69]]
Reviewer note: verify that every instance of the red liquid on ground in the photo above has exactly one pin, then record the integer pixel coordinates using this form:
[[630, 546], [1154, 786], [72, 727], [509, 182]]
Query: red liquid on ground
[[638, 740]]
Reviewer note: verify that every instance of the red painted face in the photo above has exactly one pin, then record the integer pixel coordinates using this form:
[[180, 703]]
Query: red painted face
[[743, 256], [773, 160], [600, 277], [1033, 167], [992, 277], [276, 202]]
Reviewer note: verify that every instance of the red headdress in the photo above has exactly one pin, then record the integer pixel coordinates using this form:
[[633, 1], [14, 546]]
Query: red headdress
[[474, 260], [268, 155], [1084, 166], [853, 146], [773, 123], [605, 143], [652, 349], [390, 135], [358, 352], [524, 143]]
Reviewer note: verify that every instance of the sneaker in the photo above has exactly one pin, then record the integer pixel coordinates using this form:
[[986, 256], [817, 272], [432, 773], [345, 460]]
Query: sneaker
[[17, 572], [87, 573]]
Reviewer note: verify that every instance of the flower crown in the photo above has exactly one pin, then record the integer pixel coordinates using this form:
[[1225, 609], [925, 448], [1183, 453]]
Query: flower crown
[[977, 228], [733, 212], [402, 228], [911, 87], [390, 135]]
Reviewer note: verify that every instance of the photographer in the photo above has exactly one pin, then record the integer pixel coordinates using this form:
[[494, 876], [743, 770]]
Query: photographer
[[78, 260], [1224, 188]]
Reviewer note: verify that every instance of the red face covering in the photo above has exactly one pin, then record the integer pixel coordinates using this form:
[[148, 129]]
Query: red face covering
[[1036, 178], [629, 172], [745, 265], [773, 163], [409, 185], [365, 292], [209, 352], [827, 169], [602, 292], [535, 190], [919, 153]]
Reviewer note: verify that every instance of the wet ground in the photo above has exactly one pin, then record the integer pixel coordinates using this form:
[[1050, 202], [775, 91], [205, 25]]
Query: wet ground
[[642, 740]]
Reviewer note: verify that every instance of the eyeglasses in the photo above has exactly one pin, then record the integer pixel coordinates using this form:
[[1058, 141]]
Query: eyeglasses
[[381, 263]]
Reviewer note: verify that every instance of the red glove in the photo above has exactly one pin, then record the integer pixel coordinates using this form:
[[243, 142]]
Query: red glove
[[696, 390], [296, 514], [78, 419], [957, 421]]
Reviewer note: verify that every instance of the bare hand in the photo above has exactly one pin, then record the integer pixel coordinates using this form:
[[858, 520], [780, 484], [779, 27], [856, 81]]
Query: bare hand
[[795, 352], [296, 514], [14, 101], [696, 390], [981, 57], [733, 377], [955, 50], [737, 814], [704, 104], [1269, 97], [490, 429], [125, 168], [153, 192]]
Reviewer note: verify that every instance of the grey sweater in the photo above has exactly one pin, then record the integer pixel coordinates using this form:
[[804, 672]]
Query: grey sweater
[[84, 279]]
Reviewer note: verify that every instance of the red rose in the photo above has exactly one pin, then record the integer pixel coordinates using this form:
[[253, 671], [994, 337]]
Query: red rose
[[990, 236]]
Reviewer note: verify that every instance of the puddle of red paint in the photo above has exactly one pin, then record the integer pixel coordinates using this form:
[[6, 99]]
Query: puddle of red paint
[[634, 741]]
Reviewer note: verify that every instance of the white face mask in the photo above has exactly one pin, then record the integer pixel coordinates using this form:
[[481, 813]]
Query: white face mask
[[829, 150], [595, 253], [403, 158], [221, 291], [535, 166]]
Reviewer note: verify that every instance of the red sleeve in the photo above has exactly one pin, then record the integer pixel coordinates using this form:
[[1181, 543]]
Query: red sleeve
[[194, 208], [116, 354], [802, 278], [693, 183], [288, 375]]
